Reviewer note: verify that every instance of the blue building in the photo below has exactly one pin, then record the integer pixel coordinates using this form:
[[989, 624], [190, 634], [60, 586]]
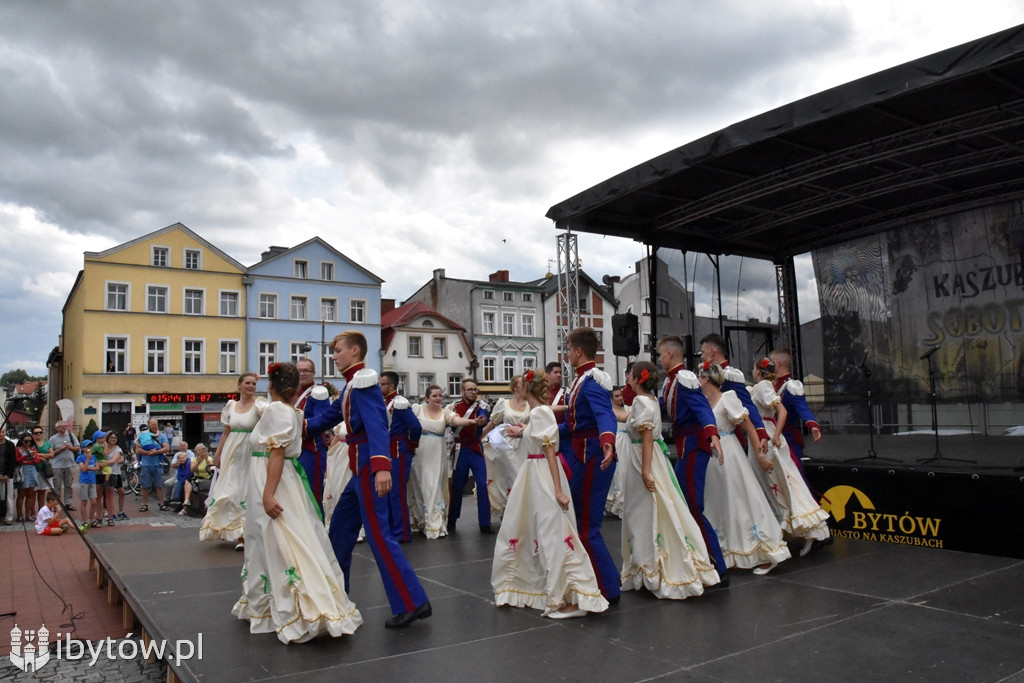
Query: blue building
[[302, 297]]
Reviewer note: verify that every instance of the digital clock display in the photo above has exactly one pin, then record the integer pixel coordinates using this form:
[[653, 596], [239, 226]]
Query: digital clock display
[[191, 398]]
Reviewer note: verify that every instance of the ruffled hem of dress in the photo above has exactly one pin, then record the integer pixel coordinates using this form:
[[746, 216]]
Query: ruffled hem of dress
[[517, 597], [813, 525], [757, 556], [231, 533], [299, 629], [636, 578], [435, 528]]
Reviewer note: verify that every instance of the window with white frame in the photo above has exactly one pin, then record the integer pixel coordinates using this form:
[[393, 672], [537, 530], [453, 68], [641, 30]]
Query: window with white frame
[[193, 357], [161, 257], [329, 310], [297, 308], [426, 379], [193, 259], [508, 296], [488, 323], [527, 324], [454, 384], [529, 363], [327, 363], [193, 302], [490, 363], [300, 269], [156, 356], [327, 271], [488, 294], [227, 361], [508, 324], [508, 366], [295, 352], [403, 384], [156, 299], [415, 346], [268, 305], [440, 347], [527, 297], [117, 296], [267, 354], [229, 304], [117, 354], [356, 311]]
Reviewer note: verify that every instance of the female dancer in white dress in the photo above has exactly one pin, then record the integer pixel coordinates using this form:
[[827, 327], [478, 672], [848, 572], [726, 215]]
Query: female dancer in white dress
[[735, 505], [428, 481], [798, 513], [539, 560], [292, 584], [662, 546], [225, 511], [614, 503], [503, 466]]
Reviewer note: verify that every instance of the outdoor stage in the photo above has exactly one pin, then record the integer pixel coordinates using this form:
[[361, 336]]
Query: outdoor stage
[[870, 610]]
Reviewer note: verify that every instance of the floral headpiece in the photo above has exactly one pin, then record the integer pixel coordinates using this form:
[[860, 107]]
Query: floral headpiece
[[765, 363], [272, 368], [529, 376], [644, 376], [706, 366]]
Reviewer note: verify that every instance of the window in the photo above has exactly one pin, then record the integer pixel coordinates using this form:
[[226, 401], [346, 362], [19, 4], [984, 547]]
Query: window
[[428, 323], [509, 368], [161, 257], [454, 385], [583, 305], [489, 365], [662, 307], [268, 306], [267, 355], [156, 299], [440, 347], [295, 352], [327, 271], [356, 311], [527, 297], [193, 259], [193, 303], [508, 296], [488, 326], [328, 310], [529, 363], [156, 356], [297, 308], [117, 354], [193, 360], [527, 324], [508, 324], [117, 296], [403, 383], [488, 294], [426, 379], [300, 269], [227, 364], [229, 304], [327, 362], [415, 347]]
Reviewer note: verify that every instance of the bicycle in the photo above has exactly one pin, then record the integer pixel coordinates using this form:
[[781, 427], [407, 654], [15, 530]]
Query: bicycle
[[131, 478]]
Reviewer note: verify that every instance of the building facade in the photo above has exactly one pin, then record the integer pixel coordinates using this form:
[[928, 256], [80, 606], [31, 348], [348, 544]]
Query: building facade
[[424, 347]]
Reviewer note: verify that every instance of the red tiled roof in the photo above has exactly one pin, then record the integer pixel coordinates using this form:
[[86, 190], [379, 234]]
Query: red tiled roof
[[403, 315]]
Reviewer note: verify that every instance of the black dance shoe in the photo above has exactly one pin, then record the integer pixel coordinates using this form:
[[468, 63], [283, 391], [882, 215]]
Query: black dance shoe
[[402, 620]]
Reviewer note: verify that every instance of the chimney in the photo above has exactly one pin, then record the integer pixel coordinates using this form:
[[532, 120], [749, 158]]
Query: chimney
[[386, 306], [435, 287], [498, 276], [272, 252]]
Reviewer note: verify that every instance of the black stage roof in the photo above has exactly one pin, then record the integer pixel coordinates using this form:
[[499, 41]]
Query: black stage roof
[[936, 135]]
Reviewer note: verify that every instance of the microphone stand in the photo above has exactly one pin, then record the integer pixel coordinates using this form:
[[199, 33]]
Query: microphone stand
[[927, 355], [871, 418]]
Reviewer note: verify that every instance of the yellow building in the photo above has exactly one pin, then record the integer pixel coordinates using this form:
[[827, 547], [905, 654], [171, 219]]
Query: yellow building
[[156, 324]]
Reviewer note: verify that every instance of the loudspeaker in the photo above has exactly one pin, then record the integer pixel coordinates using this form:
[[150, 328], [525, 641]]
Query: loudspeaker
[[625, 334]]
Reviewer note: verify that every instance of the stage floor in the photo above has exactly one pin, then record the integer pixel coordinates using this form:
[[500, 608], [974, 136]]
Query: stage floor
[[987, 454], [854, 610]]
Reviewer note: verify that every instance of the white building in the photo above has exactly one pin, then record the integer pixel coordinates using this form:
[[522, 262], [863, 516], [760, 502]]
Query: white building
[[424, 347]]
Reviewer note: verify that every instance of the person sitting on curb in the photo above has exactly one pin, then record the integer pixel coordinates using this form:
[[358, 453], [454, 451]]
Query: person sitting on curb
[[48, 523]]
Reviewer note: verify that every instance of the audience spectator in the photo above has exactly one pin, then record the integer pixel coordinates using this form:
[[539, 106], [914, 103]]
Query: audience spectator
[[45, 466], [151, 447], [181, 468], [113, 479], [65, 450], [88, 466], [199, 477], [26, 477], [8, 463], [48, 521]]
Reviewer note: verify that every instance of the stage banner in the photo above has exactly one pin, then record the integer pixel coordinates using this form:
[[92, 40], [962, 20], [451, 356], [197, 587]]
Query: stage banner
[[974, 513], [955, 284]]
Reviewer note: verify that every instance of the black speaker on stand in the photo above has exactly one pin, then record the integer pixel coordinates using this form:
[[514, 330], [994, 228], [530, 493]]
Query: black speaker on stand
[[625, 334]]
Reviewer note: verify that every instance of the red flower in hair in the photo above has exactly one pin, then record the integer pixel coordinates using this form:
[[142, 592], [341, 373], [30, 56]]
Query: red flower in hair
[[764, 363], [272, 368], [706, 366], [644, 375], [529, 376]]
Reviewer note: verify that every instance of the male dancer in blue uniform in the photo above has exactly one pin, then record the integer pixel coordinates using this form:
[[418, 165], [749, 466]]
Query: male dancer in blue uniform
[[590, 426], [791, 392], [712, 350], [405, 432], [695, 435], [470, 458], [364, 500], [312, 400]]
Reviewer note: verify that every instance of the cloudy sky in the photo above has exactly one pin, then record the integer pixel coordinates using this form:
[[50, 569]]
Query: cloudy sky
[[410, 135]]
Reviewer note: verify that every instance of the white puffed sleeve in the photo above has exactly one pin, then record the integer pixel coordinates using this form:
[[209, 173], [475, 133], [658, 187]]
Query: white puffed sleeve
[[734, 410], [764, 395], [276, 429], [644, 415], [543, 427], [225, 415], [261, 405], [498, 414]]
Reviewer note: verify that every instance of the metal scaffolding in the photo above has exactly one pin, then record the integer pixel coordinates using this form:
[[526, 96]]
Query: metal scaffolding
[[567, 310]]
